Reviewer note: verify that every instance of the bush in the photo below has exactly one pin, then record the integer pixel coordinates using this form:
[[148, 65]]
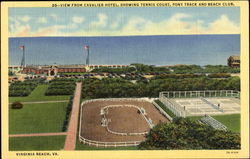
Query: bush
[[23, 88], [17, 105], [60, 87], [184, 134]]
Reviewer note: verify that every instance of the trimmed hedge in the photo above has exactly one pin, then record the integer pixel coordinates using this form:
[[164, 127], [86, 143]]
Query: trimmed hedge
[[61, 87], [67, 115], [23, 88], [219, 75]]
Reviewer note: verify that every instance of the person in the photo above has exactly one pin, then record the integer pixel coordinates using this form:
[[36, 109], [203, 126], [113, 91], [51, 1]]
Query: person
[[219, 105]]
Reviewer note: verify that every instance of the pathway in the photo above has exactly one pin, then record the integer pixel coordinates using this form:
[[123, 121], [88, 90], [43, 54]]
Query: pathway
[[70, 141], [38, 134]]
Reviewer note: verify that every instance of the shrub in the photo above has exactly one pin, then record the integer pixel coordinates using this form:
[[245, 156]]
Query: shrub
[[16, 105], [67, 115], [184, 134]]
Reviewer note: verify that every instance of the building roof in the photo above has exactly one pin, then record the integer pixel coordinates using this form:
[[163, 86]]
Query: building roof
[[235, 57]]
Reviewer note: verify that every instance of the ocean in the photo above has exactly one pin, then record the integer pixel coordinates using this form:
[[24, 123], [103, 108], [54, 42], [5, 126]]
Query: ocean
[[151, 50]]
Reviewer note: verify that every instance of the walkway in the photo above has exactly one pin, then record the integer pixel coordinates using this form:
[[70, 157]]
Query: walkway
[[70, 141], [38, 134]]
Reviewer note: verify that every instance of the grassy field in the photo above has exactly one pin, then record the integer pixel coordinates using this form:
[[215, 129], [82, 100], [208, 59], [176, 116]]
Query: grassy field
[[38, 95], [36, 143], [37, 118], [231, 121]]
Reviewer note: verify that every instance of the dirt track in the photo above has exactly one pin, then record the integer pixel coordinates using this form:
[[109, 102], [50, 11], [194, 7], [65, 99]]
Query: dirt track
[[122, 119]]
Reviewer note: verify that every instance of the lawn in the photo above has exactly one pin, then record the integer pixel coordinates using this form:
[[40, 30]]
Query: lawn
[[38, 95], [37, 118], [36, 143], [231, 121]]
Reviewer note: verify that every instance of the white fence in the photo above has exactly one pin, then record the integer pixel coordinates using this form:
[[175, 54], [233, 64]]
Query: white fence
[[162, 111], [172, 107], [208, 93], [108, 144]]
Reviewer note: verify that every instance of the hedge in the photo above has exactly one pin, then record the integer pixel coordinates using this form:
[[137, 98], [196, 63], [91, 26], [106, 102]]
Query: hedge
[[23, 88], [67, 114], [61, 87]]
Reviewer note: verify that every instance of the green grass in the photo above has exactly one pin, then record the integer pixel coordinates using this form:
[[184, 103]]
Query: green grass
[[169, 112], [38, 95], [231, 121], [194, 118], [36, 143], [37, 118]]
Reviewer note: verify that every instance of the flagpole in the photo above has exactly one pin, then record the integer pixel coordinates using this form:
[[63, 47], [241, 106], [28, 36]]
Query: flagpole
[[88, 56], [23, 58], [87, 59]]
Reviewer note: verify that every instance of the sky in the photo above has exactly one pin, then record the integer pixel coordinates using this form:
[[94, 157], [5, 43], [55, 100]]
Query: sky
[[123, 21]]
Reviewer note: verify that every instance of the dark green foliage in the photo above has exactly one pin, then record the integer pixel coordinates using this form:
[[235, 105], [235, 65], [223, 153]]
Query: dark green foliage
[[184, 134], [187, 69], [205, 69], [116, 87], [169, 112], [16, 105], [67, 114], [220, 69], [23, 88], [61, 86], [219, 75], [114, 70], [141, 68], [179, 76]]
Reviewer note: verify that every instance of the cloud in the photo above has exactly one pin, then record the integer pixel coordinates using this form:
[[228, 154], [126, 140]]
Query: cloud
[[224, 25], [54, 16], [176, 24], [179, 23], [77, 19], [101, 22], [117, 22], [42, 20], [24, 18]]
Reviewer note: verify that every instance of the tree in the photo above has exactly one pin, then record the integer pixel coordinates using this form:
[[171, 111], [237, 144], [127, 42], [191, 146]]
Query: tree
[[186, 134]]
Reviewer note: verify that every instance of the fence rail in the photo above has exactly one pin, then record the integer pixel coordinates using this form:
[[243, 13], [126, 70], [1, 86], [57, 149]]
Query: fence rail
[[207, 93], [108, 144], [162, 111], [172, 107]]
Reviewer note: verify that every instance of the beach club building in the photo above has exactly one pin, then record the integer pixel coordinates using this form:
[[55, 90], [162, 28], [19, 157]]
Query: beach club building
[[233, 61], [55, 69]]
